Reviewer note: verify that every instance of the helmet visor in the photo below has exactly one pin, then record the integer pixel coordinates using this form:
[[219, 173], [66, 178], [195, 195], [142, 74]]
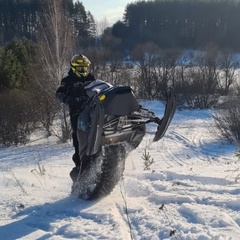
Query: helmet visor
[[81, 69]]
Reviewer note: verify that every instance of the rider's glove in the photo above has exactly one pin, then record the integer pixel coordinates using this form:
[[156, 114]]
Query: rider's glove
[[75, 102]]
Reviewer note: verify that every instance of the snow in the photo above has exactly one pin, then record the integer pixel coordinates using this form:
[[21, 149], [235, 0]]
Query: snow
[[191, 191]]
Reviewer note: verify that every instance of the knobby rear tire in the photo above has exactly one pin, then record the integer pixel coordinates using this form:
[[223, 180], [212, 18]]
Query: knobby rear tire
[[102, 174]]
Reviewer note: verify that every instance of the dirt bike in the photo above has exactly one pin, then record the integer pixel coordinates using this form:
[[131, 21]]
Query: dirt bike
[[111, 125]]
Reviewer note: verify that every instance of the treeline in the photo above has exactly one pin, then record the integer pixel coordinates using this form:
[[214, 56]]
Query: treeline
[[167, 23], [181, 24], [20, 18]]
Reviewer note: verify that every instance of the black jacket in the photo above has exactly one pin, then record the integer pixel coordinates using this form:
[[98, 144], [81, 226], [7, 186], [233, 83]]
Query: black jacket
[[72, 87]]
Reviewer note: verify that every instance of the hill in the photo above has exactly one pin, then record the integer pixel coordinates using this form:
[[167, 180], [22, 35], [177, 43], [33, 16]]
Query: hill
[[191, 191]]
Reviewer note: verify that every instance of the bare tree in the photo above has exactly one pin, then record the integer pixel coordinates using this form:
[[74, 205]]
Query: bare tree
[[228, 66], [55, 44], [202, 80], [101, 26], [166, 71], [147, 56]]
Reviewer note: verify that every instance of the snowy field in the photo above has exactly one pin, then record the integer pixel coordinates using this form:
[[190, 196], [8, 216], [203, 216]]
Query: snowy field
[[190, 192]]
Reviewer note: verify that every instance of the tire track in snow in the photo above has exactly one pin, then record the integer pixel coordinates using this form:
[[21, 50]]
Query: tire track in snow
[[117, 215], [193, 144], [182, 143]]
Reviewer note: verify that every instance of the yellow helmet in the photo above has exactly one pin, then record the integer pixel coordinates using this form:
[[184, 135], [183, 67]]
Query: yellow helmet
[[80, 65]]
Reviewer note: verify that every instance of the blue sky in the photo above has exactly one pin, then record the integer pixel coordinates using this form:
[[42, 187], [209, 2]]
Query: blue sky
[[112, 10]]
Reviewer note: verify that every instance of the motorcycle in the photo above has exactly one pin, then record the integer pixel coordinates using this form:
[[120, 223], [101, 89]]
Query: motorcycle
[[110, 126]]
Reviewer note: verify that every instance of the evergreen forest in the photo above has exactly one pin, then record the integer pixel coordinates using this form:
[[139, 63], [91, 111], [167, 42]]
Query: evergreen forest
[[181, 23]]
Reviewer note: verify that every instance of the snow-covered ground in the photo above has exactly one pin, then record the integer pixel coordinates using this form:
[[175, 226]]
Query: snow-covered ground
[[191, 191]]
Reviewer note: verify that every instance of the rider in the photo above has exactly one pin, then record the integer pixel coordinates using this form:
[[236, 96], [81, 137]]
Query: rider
[[71, 92]]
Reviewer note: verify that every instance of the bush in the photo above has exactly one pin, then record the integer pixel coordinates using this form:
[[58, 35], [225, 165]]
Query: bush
[[227, 119], [17, 117]]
